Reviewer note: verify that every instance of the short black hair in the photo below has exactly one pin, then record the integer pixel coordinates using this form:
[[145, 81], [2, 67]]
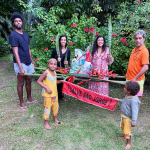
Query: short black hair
[[133, 87], [16, 15]]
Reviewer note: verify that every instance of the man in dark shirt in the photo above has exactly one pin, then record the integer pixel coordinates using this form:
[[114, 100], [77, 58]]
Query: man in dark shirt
[[22, 58]]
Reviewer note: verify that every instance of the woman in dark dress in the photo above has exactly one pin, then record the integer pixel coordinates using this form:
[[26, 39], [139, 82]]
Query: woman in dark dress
[[64, 53]]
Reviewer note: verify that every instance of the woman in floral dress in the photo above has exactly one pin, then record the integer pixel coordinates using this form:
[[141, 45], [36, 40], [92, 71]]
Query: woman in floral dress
[[100, 60]]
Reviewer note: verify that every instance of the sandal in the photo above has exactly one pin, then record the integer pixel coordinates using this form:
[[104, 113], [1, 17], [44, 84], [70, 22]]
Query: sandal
[[23, 107]]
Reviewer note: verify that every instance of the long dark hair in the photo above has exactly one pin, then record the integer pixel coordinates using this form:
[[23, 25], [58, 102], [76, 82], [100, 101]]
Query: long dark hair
[[60, 42], [95, 46]]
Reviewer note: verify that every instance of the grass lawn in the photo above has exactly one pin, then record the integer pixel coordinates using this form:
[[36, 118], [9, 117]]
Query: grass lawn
[[85, 127]]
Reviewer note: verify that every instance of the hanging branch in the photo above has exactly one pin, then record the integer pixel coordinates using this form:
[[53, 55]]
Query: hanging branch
[[109, 36], [57, 47]]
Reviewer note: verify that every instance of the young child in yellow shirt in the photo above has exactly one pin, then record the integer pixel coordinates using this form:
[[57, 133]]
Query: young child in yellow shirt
[[48, 80]]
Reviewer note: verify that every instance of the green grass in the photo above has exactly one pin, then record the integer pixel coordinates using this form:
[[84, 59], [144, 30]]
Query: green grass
[[85, 127]]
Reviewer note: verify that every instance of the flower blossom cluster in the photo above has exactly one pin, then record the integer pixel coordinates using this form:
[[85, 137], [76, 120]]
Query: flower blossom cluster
[[74, 25], [46, 49]]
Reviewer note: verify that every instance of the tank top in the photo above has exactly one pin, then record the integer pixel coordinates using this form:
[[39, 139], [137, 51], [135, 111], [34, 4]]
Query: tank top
[[50, 82]]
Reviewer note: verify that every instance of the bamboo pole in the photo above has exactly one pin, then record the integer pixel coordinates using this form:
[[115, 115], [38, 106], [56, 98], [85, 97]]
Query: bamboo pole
[[40, 68], [62, 76], [111, 81]]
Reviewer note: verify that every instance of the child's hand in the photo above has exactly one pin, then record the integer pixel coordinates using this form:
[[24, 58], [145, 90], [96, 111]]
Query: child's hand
[[117, 99], [49, 91], [133, 124]]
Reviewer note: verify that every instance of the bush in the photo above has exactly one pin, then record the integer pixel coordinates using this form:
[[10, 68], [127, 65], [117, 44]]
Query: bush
[[131, 17], [4, 48]]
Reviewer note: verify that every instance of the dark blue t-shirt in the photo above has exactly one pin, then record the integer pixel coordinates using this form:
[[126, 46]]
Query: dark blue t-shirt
[[22, 42]]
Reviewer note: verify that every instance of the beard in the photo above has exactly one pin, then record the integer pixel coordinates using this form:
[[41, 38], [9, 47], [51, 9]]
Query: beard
[[19, 28]]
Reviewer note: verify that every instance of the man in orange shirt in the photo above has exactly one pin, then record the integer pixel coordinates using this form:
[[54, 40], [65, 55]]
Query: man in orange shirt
[[138, 61]]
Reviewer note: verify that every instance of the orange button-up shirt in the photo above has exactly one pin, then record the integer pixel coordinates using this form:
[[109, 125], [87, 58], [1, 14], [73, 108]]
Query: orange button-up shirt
[[138, 58]]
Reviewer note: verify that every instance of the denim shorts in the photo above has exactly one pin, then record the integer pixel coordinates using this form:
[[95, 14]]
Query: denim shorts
[[27, 69]]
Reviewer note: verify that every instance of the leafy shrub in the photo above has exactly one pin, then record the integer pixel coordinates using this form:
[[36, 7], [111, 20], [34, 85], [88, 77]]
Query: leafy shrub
[[4, 48], [131, 17]]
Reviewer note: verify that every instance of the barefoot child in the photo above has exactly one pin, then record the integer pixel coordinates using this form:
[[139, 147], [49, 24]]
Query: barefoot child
[[48, 80], [129, 110]]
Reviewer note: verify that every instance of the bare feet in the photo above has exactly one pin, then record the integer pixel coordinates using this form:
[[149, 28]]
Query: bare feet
[[57, 122], [46, 125], [127, 146], [121, 137]]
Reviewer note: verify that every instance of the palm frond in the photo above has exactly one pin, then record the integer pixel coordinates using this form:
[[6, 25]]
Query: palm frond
[[109, 33]]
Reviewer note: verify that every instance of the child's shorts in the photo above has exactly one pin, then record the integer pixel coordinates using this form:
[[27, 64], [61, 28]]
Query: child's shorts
[[27, 69], [126, 126]]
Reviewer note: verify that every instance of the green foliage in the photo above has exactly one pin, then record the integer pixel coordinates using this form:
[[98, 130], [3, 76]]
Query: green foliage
[[4, 48], [5, 27], [44, 36], [131, 18], [10, 6]]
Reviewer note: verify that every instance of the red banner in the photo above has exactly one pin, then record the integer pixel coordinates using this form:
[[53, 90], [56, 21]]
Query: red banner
[[88, 96]]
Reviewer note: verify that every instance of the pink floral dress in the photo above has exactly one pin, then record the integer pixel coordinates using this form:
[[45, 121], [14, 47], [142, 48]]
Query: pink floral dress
[[101, 63]]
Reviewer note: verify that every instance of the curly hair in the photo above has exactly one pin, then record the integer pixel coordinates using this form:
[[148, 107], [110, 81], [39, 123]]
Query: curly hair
[[95, 46], [16, 15], [133, 87]]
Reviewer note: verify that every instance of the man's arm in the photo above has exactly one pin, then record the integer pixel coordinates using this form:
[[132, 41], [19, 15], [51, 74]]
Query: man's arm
[[31, 58], [15, 52], [142, 71]]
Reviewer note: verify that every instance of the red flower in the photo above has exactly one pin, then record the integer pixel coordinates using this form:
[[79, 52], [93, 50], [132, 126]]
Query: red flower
[[52, 38], [124, 61], [132, 15], [70, 43], [74, 25], [113, 75], [71, 79], [75, 13], [86, 29], [36, 59], [46, 49], [97, 34], [113, 34], [123, 39], [139, 2], [91, 30], [125, 43], [110, 72], [145, 30], [54, 42]]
